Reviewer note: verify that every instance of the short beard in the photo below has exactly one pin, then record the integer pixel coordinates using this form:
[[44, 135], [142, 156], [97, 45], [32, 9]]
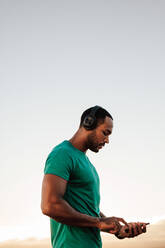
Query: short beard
[[92, 143]]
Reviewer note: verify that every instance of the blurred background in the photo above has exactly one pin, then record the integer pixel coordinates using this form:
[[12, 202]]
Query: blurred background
[[59, 58]]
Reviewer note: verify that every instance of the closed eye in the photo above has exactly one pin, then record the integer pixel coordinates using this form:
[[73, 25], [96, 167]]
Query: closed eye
[[107, 132]]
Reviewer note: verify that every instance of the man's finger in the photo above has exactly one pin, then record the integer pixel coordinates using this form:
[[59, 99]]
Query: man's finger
[[131, 232], [138, 226], [116, 223], [135, 230], [112, 231], [124, 231], [143, 227], [123, 221]]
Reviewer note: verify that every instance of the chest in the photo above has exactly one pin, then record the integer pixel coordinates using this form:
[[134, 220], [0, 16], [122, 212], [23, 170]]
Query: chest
[[84, 174]]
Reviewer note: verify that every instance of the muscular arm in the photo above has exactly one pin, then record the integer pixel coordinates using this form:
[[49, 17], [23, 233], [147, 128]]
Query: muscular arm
[[54, 205]]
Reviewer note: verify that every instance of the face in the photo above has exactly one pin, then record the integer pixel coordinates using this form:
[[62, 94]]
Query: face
[[100, 135]]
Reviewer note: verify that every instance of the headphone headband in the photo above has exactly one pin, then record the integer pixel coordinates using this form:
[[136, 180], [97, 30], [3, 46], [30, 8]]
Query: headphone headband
[[94, 110]]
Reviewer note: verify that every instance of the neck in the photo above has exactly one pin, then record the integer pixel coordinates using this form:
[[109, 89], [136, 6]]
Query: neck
[[79, 141]]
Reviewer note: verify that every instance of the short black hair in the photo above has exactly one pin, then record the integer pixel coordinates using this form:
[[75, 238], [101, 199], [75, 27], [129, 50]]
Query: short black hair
[[100, 115]]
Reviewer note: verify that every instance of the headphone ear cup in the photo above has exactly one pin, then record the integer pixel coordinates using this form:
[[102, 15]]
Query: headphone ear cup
[[89, 122]]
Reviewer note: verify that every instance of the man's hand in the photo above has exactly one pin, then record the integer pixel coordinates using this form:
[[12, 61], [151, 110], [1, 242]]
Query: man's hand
[[111, 224], [132, 230]]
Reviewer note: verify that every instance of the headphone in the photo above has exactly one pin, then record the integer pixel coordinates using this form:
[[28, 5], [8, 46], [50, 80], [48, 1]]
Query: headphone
[[90, 121]]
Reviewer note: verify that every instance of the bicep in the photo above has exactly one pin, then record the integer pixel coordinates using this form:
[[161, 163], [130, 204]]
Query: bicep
[[53, 189]]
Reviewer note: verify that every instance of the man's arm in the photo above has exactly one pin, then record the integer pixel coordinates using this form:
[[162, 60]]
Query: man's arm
[[54, 205]]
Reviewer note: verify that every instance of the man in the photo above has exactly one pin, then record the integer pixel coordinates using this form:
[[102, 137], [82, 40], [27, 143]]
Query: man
[[70, 190]]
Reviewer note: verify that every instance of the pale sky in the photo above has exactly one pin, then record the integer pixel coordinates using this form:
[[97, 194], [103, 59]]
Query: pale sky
[[59, 58]]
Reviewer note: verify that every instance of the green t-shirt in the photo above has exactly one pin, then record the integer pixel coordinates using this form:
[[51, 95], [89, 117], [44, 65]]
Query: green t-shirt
[[82, 194]]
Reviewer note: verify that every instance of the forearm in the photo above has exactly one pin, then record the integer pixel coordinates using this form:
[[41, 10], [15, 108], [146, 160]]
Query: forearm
[[62, 212]]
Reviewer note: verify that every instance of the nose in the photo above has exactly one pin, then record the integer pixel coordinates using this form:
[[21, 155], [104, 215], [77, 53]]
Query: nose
[[106, 140]]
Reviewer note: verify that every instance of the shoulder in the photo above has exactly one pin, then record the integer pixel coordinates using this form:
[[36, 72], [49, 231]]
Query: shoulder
[[62, 152], [59, 162]]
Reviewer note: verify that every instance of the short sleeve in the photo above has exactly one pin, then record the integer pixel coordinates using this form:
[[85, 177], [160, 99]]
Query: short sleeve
[[59, 163]]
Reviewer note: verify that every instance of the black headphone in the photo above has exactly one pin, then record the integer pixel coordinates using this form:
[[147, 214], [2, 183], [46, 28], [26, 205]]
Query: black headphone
[[90, 121]]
